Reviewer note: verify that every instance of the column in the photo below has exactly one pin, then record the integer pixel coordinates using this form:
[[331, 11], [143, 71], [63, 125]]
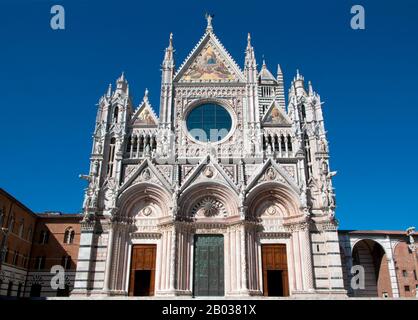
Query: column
[[244, 286], [307, 258], [107, 276]]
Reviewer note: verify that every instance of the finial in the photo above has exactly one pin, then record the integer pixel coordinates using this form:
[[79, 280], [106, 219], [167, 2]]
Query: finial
[[109, 90], [264, 62], [249, 39], [170, 45], [209, 18], [297, 73], [146, 94]]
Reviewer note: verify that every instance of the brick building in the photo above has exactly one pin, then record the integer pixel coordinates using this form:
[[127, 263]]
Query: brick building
[[31, 244]]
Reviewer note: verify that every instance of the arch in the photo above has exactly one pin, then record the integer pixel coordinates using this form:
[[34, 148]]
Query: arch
[[268, 194], [135, 198], [371, 255], [214, 195], [69, 235]]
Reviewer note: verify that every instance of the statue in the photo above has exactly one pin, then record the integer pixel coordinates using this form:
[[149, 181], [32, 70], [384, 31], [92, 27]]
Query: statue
[[410, 233], [175, 199], [95, 170]]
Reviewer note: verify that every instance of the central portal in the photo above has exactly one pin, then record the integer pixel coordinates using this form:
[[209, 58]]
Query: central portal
[[208, 279]]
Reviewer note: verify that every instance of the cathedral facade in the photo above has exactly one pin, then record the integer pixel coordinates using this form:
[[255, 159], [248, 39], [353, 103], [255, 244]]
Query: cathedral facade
[[228, 192]]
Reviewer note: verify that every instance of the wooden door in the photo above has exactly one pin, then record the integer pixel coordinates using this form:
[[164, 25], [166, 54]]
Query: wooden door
[[208, 279], [275, 272], [142, 269]]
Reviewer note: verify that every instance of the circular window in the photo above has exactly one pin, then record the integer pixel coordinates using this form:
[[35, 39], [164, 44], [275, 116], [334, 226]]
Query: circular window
[[209, 122]]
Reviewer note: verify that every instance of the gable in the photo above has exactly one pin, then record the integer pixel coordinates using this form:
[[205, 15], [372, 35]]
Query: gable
[[209, 62], [275, 116], [144, 116], [271, 171], [208, 170]]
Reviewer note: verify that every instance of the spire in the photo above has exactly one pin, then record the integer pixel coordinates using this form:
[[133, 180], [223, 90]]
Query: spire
[[122, 84], [170, 49], [249, 53], [109, 90], [310, 89], [279, 71], [280, 90], [209, 18], [122, 77]]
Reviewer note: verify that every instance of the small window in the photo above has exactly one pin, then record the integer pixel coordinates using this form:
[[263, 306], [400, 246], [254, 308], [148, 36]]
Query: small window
[[15, 257], [69, 236], [9, 289], [21, 228], [407, 289], [415, 275], [66, 262], [385, 295], [29, 238], [40, 262], [405, 273], [44, 237]]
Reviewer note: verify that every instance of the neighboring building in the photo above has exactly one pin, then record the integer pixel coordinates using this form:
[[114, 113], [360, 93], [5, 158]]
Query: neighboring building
[[17, 224], [31, 244], [56, 242], [227, 193], [389, 259]]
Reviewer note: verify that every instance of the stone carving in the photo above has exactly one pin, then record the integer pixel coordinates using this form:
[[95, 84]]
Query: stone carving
[[208, 172], [410, 232], [270, 174], [147, 211], [146, 174], [208, 207]]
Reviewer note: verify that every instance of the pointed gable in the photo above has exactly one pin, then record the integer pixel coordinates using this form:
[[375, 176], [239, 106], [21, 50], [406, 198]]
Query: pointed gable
[[209, 62], [146, 172], [275, 116], [208, 170], [144, 115], [271, 171]]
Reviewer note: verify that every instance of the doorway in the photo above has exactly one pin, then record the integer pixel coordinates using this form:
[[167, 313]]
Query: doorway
[[142, 276], [208, 279], [275, 273]]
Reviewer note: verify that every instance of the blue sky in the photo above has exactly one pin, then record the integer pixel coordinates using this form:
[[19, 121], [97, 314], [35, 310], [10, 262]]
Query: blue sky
[[51, 81]]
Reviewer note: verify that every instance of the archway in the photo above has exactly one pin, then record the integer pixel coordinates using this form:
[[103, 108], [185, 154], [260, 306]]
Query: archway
[[372, 257], [144, 204], [273, 205]]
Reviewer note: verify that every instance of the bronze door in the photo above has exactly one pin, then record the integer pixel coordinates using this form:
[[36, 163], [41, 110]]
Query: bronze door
[[275, 273], [142, 276], [208, 279]]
